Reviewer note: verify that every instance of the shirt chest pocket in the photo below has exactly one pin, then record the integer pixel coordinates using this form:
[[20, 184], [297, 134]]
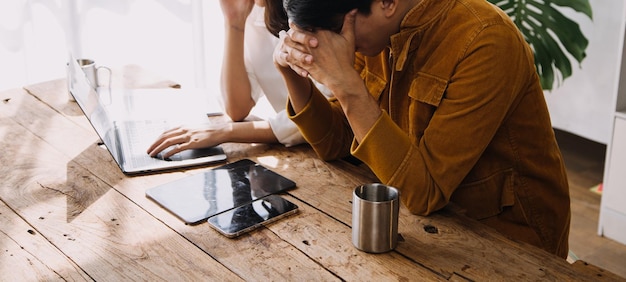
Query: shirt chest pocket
[[428, 89], [375, 84], [425, 93]]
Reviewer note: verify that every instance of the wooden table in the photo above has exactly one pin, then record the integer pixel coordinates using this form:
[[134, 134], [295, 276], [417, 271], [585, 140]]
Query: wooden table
[[68, 213]]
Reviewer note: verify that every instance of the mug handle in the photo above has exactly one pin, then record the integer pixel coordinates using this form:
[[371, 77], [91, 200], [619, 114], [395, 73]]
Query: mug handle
[[110, 73], [110, 98]]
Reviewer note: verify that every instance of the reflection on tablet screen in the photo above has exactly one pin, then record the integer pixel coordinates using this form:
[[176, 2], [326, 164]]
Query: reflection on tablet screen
[[200, 196], [248, 217]]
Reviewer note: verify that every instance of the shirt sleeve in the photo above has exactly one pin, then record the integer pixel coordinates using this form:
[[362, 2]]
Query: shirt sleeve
[[383, 147], [323, 125], [285, 130]]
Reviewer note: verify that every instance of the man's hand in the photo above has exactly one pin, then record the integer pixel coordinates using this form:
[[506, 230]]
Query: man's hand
[[325, 55], [328, 57]]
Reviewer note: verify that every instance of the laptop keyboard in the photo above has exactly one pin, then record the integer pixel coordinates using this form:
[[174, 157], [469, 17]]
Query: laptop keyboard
[[141, 135]]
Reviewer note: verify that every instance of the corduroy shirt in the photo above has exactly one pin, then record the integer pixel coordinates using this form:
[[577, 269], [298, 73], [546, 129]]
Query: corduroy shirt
[[464, 121]]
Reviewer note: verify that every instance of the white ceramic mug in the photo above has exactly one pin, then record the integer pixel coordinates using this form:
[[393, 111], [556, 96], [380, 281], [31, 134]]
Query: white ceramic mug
[[91, 71], [88, 66]]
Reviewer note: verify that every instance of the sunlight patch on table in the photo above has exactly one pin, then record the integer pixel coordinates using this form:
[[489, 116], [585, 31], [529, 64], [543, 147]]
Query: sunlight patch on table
[[269, 161]]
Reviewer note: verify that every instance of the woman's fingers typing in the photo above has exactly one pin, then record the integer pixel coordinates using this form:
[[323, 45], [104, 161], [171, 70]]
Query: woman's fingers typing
[[175, 136]]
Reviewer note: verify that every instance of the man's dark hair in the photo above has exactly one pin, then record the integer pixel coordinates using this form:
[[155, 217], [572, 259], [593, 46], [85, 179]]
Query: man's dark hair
[[323, 14], [275, 17]]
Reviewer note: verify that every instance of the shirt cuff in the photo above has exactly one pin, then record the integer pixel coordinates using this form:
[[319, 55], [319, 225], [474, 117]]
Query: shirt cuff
[[383, 148], [314, 118], [285, 130]]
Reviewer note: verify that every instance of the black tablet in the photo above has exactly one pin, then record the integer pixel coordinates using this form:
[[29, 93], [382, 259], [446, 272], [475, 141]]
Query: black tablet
[[197, 197]]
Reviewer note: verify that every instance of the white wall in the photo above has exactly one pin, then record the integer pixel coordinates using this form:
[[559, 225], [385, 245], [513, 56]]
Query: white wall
[[584, 103], [35, 36], [14, 33]]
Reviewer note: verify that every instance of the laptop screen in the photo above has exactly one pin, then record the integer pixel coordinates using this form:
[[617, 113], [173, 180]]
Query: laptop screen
[[88, 100], [127, 126]]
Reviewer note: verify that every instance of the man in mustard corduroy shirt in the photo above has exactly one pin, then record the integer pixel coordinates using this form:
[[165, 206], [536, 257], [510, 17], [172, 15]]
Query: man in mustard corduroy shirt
[[442, 101]]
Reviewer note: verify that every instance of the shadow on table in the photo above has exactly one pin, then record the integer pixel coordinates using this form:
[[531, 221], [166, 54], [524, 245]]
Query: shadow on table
[[83, 188]]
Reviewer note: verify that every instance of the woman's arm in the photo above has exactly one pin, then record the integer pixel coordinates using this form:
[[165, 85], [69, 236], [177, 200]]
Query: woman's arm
[[234, 78], [251, 132], [185, 138]]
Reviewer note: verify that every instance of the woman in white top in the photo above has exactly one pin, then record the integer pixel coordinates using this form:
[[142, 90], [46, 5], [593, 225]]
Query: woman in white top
[[248, 73]]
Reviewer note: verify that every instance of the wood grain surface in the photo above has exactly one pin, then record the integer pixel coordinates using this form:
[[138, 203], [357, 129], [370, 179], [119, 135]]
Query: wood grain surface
[[68, 213]]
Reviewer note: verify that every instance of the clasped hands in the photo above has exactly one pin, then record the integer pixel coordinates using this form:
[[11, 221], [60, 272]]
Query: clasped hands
[[328, 57], [324, 55]]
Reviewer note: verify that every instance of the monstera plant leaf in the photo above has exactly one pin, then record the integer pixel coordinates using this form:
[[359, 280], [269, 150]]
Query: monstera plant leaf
[[550, 34]]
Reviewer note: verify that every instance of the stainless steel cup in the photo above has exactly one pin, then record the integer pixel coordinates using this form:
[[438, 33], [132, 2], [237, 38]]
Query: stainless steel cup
[[375, 210]]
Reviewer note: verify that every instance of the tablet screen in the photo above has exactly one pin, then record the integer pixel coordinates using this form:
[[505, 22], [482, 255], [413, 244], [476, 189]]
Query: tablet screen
[[200, 196]]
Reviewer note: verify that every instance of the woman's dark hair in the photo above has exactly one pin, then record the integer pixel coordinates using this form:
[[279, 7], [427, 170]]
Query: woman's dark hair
[[323, 14], [275, 17]]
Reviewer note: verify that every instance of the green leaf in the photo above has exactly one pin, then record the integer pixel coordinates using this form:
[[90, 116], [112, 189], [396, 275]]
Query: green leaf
[[550, 34], [567, 31], [581, 6], [543, 62]]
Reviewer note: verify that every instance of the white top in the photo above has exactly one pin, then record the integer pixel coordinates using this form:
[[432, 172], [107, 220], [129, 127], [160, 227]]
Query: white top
[[265, 79]]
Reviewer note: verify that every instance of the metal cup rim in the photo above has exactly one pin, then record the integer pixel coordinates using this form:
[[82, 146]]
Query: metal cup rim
[[393, 193]]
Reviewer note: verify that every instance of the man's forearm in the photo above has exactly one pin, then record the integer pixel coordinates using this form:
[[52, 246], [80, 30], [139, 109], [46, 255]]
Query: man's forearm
[[299, 88], [360, 108]]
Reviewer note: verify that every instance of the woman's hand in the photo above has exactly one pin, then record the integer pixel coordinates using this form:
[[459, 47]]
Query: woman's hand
[[185, 138], [236, 11], [210, 135]]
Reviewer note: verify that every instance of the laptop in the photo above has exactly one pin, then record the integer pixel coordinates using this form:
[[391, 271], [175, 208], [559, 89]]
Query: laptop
[[128, 121]]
